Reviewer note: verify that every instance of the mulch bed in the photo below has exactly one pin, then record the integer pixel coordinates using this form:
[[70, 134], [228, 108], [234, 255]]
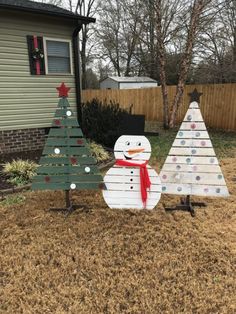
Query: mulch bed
[[100, 260]]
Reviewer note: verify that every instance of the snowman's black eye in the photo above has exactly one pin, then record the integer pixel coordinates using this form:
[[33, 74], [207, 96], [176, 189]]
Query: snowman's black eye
[[139, 144], [127, 143]]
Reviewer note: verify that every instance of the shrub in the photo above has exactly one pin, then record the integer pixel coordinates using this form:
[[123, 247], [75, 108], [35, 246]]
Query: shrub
[[99, 152], [102, 122], [20, 171]]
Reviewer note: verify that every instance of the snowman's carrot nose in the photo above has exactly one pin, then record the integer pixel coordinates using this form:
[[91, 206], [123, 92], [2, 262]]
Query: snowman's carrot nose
[[135, 151]]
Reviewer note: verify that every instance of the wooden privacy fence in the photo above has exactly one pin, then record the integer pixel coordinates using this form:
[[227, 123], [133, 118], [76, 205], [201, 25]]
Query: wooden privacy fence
[[218, 102]]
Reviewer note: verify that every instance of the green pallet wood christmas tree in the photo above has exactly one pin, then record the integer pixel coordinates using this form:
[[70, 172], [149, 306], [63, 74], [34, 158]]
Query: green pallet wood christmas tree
[[66, 162]]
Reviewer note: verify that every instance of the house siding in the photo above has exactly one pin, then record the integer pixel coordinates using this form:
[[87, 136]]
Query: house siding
[[28, 101]]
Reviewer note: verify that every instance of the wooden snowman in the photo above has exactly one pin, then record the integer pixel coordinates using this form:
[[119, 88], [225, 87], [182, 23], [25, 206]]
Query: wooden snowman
[[131, 182]]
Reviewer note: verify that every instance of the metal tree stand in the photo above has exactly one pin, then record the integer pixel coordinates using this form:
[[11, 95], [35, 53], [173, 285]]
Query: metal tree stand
[[186, 205]]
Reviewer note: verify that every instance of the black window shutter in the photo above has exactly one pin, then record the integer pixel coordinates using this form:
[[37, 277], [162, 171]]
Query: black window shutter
[[32, 62]]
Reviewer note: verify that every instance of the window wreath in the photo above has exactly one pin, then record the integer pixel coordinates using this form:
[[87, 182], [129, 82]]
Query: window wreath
[[37, 54]]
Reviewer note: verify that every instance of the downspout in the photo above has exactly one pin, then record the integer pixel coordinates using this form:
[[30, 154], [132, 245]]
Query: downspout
[[75, 41]]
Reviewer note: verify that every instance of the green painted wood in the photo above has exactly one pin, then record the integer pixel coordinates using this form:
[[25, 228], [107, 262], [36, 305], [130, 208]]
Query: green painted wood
[[66, 160], [58, 132], [67, 169], [65, 122], [71, 178], [76, 151], [66, 142], [63, 102], [65, 186]]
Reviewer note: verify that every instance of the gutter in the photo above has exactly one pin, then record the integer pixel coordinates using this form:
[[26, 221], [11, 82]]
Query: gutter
[[71, 16]]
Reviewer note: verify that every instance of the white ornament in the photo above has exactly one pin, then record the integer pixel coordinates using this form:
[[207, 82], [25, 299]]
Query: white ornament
[[57, 151], [87, 169], [68, 113], [73, 186]]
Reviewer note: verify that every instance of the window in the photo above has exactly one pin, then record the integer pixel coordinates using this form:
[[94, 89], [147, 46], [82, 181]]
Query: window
[[58, 58]]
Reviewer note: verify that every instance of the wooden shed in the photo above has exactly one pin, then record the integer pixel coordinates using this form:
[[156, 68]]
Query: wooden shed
[[38, 51]]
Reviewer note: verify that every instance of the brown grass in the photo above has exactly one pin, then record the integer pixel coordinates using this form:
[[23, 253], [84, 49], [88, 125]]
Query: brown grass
[[112, 261]]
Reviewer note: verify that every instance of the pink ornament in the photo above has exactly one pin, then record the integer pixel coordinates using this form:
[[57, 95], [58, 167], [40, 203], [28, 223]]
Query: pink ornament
[[193, 126], [203, 143], [174, 159]]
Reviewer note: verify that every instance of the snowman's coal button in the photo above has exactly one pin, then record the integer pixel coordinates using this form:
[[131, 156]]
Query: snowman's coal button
[[131, 180], [131, 187], [131, 172]]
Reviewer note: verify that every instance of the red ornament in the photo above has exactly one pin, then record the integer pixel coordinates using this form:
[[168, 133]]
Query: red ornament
[[73, 160], [193, 126], [57, 122], [63, 90], [80, 142], [47, 179]]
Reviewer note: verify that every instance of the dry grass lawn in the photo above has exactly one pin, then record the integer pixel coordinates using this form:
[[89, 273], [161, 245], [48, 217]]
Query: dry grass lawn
[[112, 261]]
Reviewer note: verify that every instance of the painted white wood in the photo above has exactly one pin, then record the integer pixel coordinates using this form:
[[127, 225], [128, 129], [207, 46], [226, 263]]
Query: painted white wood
[[216, 191], [191, 168], [127, 171], [192, 134], [179, 189], [192, 178], [130, 194], [134, 147], [193, 151], [195, 126], [192, 160], [123, 188], [191, 143], [125, 206], [129, 187], [193, 115], [130, 201], [194, 105], [199, 190]]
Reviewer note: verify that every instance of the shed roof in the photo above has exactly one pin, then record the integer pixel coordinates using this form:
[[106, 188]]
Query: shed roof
[[132, 79], [42, 8]]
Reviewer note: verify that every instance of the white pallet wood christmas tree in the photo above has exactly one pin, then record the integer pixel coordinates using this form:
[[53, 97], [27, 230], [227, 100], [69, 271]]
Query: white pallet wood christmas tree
[[191, 167]]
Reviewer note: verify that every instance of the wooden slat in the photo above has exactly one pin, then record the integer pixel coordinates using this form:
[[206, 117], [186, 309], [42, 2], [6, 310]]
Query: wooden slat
[[196, 126], [66, 142], [199, 190], [128, 171], [192, 178], [65, 122], [64, 186], [65, 169], [192, 134], [196, 151], [65, 132], [76, 151], [48, 179], [127, 187], [191, 168], [129, 194], [63, 160], [191, 143], [192, 160], [193, 115]]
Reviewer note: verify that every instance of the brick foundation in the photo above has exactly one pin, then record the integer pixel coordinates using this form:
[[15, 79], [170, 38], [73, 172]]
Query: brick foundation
[[21, 140]]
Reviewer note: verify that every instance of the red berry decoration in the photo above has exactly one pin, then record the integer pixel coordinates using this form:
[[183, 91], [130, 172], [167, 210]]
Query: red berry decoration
[[47, 179], [73, 160]]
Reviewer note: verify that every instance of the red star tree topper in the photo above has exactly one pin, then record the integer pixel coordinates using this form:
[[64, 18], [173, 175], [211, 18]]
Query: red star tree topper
[[63, 90]]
